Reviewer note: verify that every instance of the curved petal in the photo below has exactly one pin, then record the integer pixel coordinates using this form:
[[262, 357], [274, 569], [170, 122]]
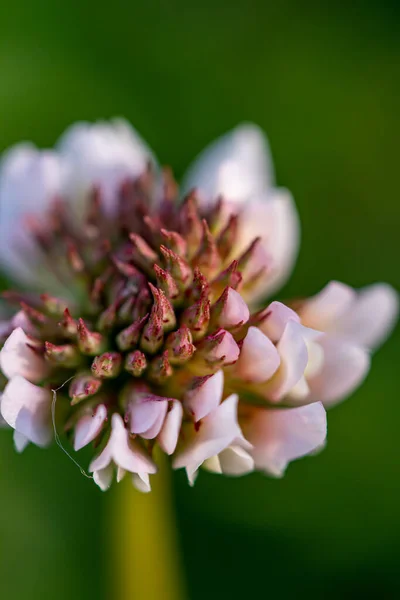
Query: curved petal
[[89, 426], [17, 358], [20, 441], [259, 359], [216, 432], [371, 317], [345, 366], [141, 482], [146, 414], [277, 317], [102, 154], [282, 435], [29, 180], [237, 166], [168, 436], [27, 409], [234, 310], [322, 310], [236, 461], [205, 395], [104, 477]]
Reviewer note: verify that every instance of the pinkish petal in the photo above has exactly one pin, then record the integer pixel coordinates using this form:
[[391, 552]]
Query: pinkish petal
[[168, 436], [205, 396], [371, 317], [259, 359], [322, 310], [216, 432], [126, 453], [89, 426], [282, 435], [278, 317], [146, 413], [292, 348], [234, 312], [344, 368], [16, 358], [237, 166], [236, 461], [27, 409]]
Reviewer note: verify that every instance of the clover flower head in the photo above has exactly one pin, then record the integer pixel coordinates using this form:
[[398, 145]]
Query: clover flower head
[[141, 306]]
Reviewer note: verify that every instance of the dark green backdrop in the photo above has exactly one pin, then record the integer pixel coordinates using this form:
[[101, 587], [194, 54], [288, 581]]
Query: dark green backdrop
[[323, 80]]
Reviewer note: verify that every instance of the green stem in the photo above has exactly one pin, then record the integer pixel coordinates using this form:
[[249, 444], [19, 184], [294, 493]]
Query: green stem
[[146, 561]]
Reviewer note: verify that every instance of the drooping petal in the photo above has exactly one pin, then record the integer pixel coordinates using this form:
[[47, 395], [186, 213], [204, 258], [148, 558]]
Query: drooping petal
[[141, 482], [259, 359], [146, 414], [216, 432], [322, 310], [345, 365], [102, 154], [20, 441], [278, 316], [89, 426], [27, 409], [235, 460], [103, 477], [30, 180], [237, 166], [126, 453], [282, 435], [17, 358], [205, 395], [168, 436]]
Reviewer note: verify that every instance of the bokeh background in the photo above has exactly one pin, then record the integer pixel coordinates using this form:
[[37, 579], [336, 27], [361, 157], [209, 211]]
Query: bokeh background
[[323, 80]]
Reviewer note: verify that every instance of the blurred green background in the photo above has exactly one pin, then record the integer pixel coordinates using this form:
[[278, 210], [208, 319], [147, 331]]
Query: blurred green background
[[323, 81]]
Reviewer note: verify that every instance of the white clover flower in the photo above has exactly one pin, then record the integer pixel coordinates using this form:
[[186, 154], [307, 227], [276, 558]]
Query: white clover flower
[[145, 303]]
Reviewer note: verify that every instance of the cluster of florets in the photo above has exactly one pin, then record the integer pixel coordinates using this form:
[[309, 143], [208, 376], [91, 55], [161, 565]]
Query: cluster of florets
[[155, 341]]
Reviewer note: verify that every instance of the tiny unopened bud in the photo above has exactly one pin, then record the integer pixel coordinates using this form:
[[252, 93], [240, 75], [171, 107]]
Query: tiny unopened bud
[[178, 267], [218, 349], [108, 318], [174, 241], [227, 238], [108, 365], [135, 363], [83, 386], [207, 257], [66, 355], [230, 310], [34, 316], [160, 368], [125, 268], [163, 305], [129, 337], [198, 288], [197, 317], [68, 325], [191, 223], [75, 261], [179, 344], [153, 332], [231, 277], [142, 253], [167, 284], [89, 342], [254, 261], [52, 305]]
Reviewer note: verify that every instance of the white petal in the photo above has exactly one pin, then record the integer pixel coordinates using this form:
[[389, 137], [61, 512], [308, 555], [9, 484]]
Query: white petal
[[259, 359], [141, 481], [104, 477], [278, 317], [216, 432], [27, 409], [89, 426], [236, 461], [322, 310], [237, 166], [29, 180], [205, 396], [213, 465], [282, 435], [372, 316], [102, 154], [16, 358], [20, 441], [168, 436], [293, 351], [344, 368]]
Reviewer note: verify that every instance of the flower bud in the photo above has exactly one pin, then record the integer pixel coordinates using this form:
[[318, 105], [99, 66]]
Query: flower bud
[[142, 254], [207, 258], [54, 306], [178, 267], [67, 355], [174, 241], [83, 386], [153, 332], [167, 284], [68, 325], [197, 317], [160, 368], [231, 277], [191, 224], [107, 366], [179, 344], [230, 311], [228, 236], [218, 349], [129, 337], [89, 342], [164, 306], [135, 363]]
